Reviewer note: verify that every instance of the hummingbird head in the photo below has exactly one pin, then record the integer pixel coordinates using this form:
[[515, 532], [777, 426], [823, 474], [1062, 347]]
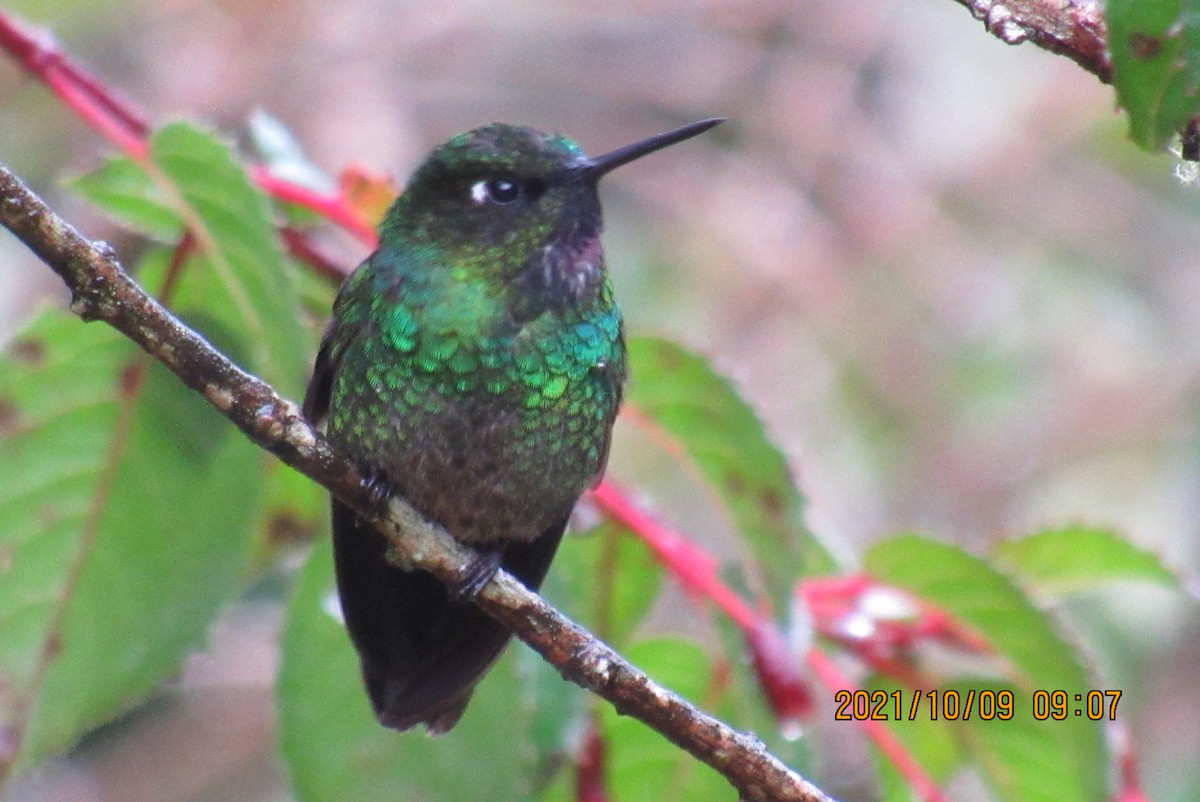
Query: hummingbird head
[[517, 205]]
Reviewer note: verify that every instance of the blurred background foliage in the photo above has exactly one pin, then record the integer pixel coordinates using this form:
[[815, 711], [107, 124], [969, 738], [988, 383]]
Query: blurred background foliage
[[962, 301]]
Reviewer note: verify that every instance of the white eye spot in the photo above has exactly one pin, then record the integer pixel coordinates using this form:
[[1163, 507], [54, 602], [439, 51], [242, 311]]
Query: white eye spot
[[500, 191]]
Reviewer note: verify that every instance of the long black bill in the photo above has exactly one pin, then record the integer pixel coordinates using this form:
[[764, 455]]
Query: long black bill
[[594, 168]]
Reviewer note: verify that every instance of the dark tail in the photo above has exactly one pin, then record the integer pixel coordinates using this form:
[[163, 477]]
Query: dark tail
[[422, 653]]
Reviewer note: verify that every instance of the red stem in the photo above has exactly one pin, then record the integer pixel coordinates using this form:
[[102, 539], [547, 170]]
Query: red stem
[[99, 107], [332, 207], [303, 249], [1129, 784], [95, 114], [886, 741], [694, 568], [78, 89], [590, 785]]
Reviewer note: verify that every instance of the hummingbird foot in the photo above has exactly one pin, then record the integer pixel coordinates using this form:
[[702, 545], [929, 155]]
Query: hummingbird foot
[[475, 575], [377, 484]]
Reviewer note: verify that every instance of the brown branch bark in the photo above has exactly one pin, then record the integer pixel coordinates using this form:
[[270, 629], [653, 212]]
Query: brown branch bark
[[1071, 28], [102, 290]]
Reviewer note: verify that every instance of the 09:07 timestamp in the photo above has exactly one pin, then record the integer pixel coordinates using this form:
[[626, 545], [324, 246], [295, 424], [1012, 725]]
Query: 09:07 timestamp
[[985, 704]]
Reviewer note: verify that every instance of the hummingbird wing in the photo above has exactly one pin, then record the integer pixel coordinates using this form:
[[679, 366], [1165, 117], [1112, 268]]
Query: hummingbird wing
[[316, 397], [422, 652]]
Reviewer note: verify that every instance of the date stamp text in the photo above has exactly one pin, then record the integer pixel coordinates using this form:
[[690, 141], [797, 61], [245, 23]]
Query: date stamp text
[[986, 705]]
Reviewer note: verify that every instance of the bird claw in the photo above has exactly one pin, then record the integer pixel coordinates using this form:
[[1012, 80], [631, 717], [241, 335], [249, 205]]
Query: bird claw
[[475, 575], [377, 484], [472, 577]]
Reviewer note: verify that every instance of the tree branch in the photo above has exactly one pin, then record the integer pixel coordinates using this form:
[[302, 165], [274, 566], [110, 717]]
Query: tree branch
[[1071, 28], [102, 290]]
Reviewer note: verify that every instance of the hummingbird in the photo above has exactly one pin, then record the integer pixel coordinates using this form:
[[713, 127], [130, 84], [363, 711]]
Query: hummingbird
[[473, 366]]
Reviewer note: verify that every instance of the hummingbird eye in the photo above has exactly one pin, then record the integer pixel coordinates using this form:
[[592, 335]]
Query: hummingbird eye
[[501, 191]]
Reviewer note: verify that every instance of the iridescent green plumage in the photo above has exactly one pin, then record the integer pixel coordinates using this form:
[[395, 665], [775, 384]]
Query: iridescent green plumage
[[475, 361]]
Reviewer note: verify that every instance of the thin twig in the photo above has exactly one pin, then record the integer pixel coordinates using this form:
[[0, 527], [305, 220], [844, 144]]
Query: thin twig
[[102, 290]]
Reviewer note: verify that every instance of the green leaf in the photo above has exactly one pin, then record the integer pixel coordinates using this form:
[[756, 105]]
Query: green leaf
[[232, 222], [642, 764], [557, 711], [1076, 558], [336, 751], [931, 742], [1072, 757], [296, 509], [124, 514], [1022, 757], [723, 438], [125, 191], [1156, 65], [606, 579]]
